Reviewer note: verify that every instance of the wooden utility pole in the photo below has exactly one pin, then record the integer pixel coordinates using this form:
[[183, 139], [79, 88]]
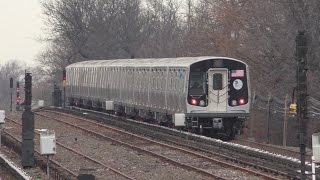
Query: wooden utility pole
[[285, 121], [269, 113]]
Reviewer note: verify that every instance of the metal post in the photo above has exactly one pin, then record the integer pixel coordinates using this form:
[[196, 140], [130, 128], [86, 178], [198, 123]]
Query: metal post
[[11, 101], [313, 168], [301, 52], [0, 136], [64, 78], [251, 119], [27, 148], [268, 133], [285, 119], [48, 169], [18, 96], [64, 96], [11, 86]]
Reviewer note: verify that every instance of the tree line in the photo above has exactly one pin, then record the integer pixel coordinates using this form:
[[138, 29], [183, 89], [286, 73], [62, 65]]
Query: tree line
[[260, 32]]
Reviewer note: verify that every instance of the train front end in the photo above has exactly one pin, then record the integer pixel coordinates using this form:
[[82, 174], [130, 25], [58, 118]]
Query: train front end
[[218, 99]]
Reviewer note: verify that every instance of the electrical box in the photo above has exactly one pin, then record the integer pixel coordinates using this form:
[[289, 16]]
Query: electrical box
[[109, 105], [47, 142], [316, 147], [2, 116], [179, 119], [41, 103]]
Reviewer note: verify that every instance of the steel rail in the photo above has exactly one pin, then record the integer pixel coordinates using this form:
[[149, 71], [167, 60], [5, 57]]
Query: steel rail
[[183, 165], [81, 154], [171, 147], [38, 153]]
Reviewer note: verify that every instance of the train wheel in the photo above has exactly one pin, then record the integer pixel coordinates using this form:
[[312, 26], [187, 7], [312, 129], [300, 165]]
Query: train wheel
[[229, 129]]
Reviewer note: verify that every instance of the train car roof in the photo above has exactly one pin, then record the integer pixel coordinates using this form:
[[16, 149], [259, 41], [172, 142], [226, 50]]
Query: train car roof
[[151, 62]]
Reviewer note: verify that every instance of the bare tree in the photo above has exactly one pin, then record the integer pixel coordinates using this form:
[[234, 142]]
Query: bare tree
[[304, 16], [262, 33], [164, 29], [254, 31], [12, 69]]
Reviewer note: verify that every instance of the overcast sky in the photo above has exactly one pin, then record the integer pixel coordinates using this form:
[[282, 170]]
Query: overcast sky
[[21, 24]]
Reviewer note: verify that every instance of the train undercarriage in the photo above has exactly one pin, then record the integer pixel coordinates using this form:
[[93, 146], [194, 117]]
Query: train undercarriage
[[222, 128], [225, 128]]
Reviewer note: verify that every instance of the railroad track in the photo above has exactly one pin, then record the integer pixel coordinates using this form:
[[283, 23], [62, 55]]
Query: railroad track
[[271, 148], [15, 141], [52, 123], [91, 162], [159, 149], [268, 162]]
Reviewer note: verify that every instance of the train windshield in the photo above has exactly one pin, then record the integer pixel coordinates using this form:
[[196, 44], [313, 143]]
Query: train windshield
[[197, 83]]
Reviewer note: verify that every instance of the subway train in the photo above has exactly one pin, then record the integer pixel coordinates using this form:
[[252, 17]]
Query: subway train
[[208, 95]]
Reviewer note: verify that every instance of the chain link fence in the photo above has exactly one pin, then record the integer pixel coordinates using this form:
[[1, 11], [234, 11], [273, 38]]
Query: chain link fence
[[272, 122]]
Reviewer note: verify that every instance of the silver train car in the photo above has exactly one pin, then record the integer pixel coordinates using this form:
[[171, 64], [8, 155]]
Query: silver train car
[[200, 94]]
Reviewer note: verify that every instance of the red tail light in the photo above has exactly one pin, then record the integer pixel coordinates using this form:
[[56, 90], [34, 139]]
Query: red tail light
[[242, 101], [194, 102]]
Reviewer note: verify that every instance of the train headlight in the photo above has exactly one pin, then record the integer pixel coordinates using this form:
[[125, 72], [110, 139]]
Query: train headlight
[[194, 102], [201, 103], [242, 101], [233, 102]]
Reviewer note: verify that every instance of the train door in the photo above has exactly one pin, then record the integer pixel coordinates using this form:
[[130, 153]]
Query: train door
[[217, 90]]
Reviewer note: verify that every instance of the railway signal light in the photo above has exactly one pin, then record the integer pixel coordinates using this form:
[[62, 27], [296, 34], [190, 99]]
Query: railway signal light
[[11, 86], [27, 148], [293, 108], [64, 75], [18, 92], [18, 87], [11, 82]]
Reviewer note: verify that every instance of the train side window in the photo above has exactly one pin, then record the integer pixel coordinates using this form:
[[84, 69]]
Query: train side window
[[161, 80], [217, 81], [86, 77], [152, 79], [179, 80], [171, 80], [145, 79], [155, 79], [140, 78], [183, 80], [105, 77]]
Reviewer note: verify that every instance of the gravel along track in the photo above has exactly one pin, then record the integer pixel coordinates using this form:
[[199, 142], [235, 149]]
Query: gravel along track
[[57, 171], [69, 159], [171, 154], [273, 148], [127, 160], [273, 164]]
